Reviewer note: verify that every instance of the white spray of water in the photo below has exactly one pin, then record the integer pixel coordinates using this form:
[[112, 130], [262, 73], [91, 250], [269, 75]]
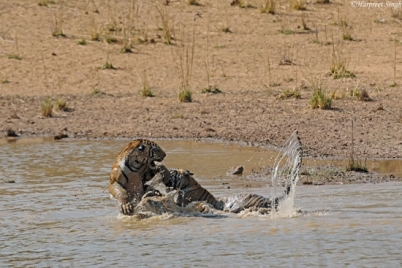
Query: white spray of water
[[286, 168]]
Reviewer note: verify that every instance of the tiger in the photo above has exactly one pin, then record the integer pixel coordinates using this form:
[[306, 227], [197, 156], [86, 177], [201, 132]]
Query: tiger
[[188, 189], [237, 203], [132, 167]]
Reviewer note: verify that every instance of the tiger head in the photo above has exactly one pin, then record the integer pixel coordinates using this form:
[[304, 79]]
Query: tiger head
[[180, 178], [141, 154]]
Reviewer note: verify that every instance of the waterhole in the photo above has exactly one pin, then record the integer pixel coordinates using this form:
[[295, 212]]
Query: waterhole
[[58, 213]]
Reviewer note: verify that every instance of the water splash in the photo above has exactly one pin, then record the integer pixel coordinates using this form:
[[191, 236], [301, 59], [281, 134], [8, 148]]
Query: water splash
[[286, 168]]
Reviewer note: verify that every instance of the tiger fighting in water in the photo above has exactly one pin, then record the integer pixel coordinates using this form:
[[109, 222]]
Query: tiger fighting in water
[[134, 166], [135, 177], [187, 188]]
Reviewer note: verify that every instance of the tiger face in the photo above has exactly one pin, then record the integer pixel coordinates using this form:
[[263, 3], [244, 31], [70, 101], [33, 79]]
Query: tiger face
[[133, 166], [140, 154]]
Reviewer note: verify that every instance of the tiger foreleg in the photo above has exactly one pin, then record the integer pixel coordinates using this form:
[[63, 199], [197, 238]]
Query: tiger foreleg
[[118, 192]]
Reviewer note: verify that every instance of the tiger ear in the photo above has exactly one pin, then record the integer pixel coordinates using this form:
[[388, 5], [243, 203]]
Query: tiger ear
[[141, 148], [188, 173]]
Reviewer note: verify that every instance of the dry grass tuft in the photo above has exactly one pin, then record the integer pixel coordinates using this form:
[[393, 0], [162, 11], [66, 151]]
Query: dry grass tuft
[[185, 95], [289, 93], [46, 3], [61, 104], [338, 64], [57, 23], [193, 3], [319, 99], [354, 164], [298, 4], [146, 89], [47, 107], [211, 89], [183, 57], [267, 6], [167, 30]]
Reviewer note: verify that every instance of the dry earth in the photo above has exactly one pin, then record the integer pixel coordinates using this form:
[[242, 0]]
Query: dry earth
[[262, 57]]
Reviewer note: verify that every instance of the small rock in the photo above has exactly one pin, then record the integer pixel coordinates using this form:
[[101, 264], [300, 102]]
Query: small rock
[[11, 133], [238, 170], [60, 136]]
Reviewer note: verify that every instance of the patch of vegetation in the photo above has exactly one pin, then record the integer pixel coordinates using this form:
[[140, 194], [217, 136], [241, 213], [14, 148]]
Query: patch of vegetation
[[61, 104], [57, 24], [5, 81], [146, 89], [126, 42], [14, 56], [110, 40], [193, 3], [167, 31], [338, 65], [226, 29], [289, 93], [96, 92], [82, 42], [286, 32], [241, 4], [183, 57], [288, 79], [211, 89], [320, 99], [47, 107], [46, 3], [185, 95], [361, 95], [267, 6], [108, 65], [298, 4], [355, 165], [346, 33], [203, 110], [177, 115]]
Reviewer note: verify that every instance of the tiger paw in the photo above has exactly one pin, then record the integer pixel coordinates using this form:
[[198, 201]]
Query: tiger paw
[[126, 209], [152, 193]]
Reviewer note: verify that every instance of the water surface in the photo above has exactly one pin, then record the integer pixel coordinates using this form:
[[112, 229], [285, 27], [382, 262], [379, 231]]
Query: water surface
[[58, 214]]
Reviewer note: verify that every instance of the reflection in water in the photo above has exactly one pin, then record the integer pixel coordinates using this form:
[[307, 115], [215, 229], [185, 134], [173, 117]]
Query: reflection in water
[[58, 213]]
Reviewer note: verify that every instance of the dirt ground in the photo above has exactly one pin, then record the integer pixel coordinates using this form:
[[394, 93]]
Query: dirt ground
[[254, 58]]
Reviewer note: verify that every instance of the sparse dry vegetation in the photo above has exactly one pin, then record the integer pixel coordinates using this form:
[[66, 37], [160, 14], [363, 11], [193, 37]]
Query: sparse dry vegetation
[[338, 64], [46, 3], [47, 107], [146, 89], [61, 104], [353, 163], [267, 6], [289, 93], [298, 4], [183, 57], [166, 23], [57, 23], [262, 58]]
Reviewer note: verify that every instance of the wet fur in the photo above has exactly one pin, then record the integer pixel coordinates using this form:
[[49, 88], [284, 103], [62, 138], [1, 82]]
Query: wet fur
[[133, 166]]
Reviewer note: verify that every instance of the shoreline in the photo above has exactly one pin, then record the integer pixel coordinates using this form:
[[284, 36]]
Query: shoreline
[[314, 175]]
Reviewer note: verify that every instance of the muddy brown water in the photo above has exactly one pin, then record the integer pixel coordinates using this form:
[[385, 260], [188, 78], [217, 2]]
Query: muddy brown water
[[58, 214]]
